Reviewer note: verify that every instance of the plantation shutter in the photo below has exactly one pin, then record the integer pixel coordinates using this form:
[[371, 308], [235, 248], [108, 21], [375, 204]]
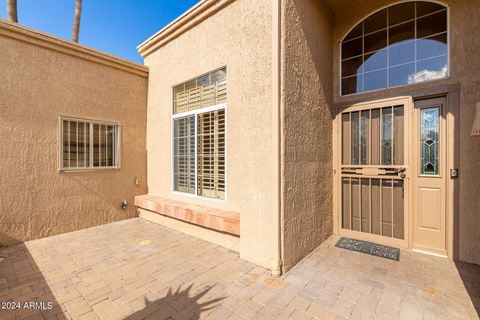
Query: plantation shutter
[[211, 154], [202, 92], [184, 154]]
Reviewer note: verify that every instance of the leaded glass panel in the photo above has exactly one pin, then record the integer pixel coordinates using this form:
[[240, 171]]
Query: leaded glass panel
[[429, 135]]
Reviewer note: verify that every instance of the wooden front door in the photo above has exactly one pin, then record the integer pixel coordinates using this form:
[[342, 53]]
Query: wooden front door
[[429, 188]]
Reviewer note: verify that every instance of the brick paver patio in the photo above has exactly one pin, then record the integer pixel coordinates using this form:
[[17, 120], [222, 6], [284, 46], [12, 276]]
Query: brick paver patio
[[135, 269]]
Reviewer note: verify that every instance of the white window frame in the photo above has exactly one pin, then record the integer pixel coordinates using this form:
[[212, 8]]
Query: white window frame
[[196, 112], [90, 122]]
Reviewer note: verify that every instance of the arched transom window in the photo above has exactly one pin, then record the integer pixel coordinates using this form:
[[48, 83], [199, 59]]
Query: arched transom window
[[402, 44]]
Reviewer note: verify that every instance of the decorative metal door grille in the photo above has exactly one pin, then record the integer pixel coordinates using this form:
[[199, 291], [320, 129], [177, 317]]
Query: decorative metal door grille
[[372, 185]]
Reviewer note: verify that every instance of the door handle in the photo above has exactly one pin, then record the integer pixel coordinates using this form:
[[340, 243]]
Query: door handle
[[400, 170]]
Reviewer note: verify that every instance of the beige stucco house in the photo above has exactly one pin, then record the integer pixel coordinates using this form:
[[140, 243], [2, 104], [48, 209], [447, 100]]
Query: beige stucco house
[[267, 126], [306, 118]]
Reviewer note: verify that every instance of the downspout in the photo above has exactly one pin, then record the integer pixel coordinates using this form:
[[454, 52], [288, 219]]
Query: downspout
[[276, 262]]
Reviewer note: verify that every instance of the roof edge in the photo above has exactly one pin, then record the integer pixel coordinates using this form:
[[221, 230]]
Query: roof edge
[[185, 22], [18, 32]]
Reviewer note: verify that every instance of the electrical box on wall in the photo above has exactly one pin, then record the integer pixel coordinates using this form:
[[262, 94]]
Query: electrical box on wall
[[453, 173]]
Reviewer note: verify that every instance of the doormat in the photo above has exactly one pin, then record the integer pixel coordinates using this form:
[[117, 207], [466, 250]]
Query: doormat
[[369, 248]]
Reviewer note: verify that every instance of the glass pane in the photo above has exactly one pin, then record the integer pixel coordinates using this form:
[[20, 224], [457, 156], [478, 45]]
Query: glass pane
[[66, 143], [401, 53], [352, 85], [375, 145], [398, 135], [346, 148], [375, 80], [375, 61], [387, 143], [81, 146], [424, 8], [104, 144], [110, 146], [96, 145], [364, 138], [356, 32], [375, 41], [401, 12], [430, 69], [376, 22], [400, 74], [73, 144], [432, 24], [432, 47], [352, 66], [402, 32], [184, 155], [429, 140], [352, 48], [219, 75], [203, 91], [99, 145], [355, 138]]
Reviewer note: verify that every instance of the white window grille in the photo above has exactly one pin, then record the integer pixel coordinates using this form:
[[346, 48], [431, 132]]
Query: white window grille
[[88, 144]]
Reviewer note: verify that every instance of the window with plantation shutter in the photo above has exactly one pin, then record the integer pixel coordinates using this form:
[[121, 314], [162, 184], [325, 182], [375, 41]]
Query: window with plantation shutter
[[199, 136], [184, 154], [211, 154], [88, 144]]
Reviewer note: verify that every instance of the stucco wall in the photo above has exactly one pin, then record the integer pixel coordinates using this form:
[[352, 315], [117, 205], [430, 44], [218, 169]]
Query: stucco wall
[[43, 77], [238, 37], [465, 74], [307, 31]]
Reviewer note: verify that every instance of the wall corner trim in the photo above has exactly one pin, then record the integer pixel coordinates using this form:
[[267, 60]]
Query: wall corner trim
[[276, 261]]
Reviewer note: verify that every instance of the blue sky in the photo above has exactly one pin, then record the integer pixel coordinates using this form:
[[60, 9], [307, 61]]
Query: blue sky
[[113, 26]]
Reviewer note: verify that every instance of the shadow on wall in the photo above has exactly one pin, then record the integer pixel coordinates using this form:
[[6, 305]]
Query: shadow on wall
[[24, 292], [180, 304], [470, 274], [316, 36]]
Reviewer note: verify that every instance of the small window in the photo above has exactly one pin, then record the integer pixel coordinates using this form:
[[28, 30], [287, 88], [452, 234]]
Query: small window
[[403, 44], [88, 144], [199, 135]]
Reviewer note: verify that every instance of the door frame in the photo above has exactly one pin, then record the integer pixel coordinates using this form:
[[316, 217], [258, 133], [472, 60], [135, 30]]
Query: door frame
[[450, 161]]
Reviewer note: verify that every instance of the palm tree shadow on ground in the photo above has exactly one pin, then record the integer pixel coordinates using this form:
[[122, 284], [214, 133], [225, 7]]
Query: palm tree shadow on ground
[[181, 304]]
